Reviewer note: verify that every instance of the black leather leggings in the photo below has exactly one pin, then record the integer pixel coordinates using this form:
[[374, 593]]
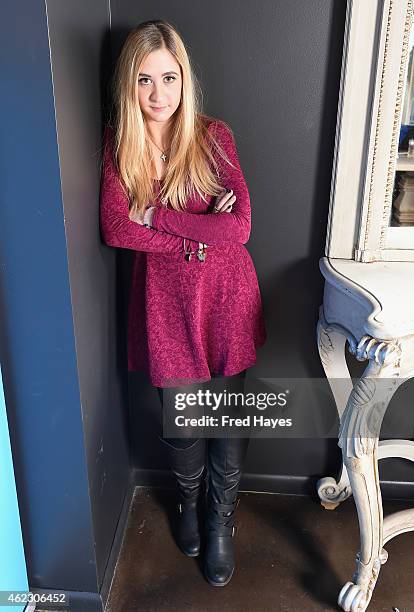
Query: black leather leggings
[[167, 399]]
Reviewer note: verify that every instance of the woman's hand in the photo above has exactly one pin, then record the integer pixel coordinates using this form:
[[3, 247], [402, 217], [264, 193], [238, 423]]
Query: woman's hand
[[224, 201], [144, 217], [137, 217]]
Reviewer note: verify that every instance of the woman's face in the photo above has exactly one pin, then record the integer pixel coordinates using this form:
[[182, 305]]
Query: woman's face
[[159, 86]]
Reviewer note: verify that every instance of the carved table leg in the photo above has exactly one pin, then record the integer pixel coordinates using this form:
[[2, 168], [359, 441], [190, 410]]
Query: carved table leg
[[331, 345], [358, 438]]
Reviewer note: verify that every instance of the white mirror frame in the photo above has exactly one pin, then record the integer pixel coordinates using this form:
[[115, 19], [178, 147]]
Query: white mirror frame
[[373, 72]]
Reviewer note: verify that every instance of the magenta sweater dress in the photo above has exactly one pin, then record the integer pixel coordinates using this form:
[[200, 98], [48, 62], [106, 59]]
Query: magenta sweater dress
[[187, 319]]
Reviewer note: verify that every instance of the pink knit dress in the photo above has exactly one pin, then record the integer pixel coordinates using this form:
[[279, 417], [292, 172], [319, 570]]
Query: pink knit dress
[[190, 319]]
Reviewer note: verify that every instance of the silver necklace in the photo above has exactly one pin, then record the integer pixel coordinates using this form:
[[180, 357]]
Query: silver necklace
[[164, 157]]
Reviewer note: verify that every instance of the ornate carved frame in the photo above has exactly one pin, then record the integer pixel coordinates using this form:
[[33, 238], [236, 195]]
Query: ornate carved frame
[[366, 146]]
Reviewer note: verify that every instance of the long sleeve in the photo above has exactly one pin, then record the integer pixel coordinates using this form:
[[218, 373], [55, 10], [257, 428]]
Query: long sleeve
[[214, 228], [116, 227]]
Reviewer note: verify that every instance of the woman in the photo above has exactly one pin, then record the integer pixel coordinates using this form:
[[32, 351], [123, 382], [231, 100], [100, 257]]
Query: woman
[[173, 191]]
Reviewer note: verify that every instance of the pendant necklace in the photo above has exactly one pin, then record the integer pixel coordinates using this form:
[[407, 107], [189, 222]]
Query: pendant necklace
[[163, 155]]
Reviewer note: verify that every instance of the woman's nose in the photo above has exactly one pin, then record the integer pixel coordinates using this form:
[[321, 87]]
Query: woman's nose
[[157, 93]]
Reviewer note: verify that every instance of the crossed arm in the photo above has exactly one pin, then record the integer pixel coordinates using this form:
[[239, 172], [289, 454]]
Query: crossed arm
[[117, 228], [214, 229], [169, 227]]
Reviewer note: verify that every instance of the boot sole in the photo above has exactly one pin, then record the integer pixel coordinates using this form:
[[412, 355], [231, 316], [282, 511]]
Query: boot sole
[[219, 584]]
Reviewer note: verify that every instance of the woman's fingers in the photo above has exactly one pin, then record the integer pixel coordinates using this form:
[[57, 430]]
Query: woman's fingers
[[228, 205], [224, 201], [226, 208], [220, 198]]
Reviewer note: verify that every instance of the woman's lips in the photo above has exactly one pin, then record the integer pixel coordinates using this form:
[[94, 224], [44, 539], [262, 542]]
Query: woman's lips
[[158, 109]]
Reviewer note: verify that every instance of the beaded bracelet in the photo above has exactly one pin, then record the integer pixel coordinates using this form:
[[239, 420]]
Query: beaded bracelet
[[201, 252]]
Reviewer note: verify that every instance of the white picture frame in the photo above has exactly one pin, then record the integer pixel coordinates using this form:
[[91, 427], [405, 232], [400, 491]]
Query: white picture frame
[[366, 142]]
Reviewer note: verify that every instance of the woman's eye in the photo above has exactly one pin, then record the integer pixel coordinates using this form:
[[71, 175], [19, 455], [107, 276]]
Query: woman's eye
[[148, 79]]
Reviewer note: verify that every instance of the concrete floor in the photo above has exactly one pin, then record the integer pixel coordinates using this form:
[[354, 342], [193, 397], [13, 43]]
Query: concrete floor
[[291, 555]]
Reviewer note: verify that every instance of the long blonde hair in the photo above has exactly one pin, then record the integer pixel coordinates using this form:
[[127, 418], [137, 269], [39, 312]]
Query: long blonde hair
[[192, 165]]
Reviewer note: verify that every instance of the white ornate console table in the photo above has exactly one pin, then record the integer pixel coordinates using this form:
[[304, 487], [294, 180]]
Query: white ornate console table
[[360, 305], [369, 270]]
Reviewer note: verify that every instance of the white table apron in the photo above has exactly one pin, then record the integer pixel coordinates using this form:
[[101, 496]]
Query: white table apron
[[370, 305]]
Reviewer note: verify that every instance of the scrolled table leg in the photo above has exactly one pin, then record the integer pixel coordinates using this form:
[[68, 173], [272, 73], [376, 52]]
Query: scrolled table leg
[[331, 340], [358, 439]]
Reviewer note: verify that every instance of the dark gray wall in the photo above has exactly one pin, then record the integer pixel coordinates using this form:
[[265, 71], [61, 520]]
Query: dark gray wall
[[80, 53], [271, 69]]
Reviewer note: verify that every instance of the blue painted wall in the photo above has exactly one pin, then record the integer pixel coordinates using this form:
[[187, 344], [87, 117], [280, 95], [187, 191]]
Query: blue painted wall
[[36, 325]]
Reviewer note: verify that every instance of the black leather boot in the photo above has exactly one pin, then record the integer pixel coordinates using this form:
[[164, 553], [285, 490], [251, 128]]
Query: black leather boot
[[187, 465], [225, 457]]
